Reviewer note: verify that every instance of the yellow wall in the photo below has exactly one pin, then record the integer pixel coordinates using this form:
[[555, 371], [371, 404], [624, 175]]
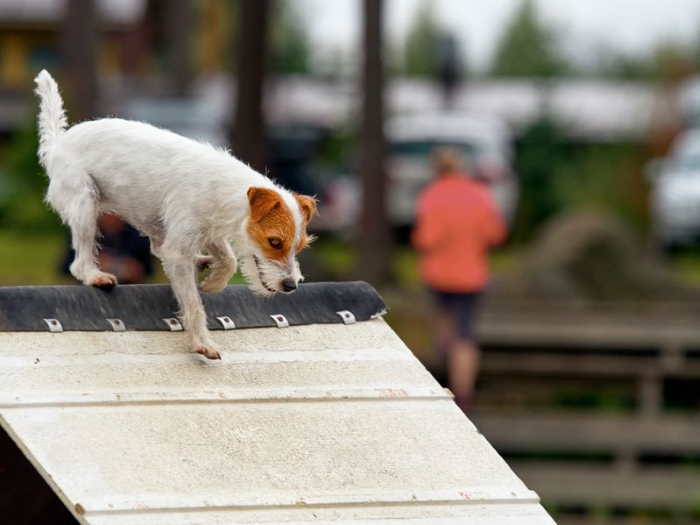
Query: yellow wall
[[214, 36], [14, 60]]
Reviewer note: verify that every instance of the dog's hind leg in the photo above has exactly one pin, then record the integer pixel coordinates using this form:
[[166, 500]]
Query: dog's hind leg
[[75, 198], [224, 267], [180, 269]]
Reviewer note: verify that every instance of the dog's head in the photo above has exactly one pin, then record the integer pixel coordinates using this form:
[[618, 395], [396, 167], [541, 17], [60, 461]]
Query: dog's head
[[276, 232]]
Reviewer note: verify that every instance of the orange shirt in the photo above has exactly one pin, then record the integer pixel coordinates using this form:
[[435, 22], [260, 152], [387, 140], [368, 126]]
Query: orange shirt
[[457, 222]]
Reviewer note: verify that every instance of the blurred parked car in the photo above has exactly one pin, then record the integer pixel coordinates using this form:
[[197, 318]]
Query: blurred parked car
[[290, 145], [675, 194], [190, 117], [689, 102], [485, 144]]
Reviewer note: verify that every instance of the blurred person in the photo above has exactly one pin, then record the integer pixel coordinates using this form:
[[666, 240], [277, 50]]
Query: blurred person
[[123, 251], [457, 223]]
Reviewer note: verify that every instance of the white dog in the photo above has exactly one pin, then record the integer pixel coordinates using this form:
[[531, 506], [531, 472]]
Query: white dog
[[187, 197]]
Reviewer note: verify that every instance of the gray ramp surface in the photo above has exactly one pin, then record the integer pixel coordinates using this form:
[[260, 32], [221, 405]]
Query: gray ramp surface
[[322, 423]]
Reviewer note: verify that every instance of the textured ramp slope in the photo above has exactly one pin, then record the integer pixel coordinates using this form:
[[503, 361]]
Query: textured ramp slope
[[319, 423]]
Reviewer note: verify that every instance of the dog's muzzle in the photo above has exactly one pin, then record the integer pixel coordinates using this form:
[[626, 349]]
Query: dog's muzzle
[[289, 285]]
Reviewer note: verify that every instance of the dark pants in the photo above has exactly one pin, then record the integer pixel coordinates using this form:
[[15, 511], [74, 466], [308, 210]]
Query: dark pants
[[461, 308]]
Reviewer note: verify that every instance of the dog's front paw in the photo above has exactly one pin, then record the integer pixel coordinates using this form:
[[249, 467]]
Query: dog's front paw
[[204, 262], [103, 280], [210, 285], [207, 351]]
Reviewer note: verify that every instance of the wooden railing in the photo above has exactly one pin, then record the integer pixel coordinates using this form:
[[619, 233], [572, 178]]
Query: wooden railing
[[639, 453]]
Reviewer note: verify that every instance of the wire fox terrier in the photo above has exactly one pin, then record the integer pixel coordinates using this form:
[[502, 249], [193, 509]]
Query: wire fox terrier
[[187, 197]]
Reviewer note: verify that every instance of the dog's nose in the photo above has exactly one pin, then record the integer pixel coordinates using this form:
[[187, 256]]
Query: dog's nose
[[289, 285]]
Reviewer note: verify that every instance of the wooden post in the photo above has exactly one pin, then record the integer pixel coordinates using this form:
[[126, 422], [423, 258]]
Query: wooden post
[[650, 394], [248, 140], [374, 242], [79, 42], [178, 36]]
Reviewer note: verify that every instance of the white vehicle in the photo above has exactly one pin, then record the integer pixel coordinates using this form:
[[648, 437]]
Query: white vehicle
[[675, 194], [485, 144], [190, 117]]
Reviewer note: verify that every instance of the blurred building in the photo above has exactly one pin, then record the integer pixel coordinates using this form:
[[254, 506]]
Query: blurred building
[[587, 110], [29, 33], [131, 64], [130, 36]]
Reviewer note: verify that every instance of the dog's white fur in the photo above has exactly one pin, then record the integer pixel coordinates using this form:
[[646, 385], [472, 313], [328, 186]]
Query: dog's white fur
[[187, 197]]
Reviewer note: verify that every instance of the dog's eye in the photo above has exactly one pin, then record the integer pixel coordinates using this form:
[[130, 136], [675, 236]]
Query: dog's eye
[[275, 242]]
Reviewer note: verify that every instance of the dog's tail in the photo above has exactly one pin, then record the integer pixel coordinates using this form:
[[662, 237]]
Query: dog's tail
[[52, 116]]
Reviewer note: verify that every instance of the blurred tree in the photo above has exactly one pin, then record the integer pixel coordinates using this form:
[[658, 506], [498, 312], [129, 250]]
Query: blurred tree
[[22, 181], [290, 44], [669, 61], [672, 61], [450, 68], [79, 44], [625, 67], [540, 154], [23, 184], [432, 52], [248, 140], [374, 242], [558, 174], [527, 48], [422, 46]]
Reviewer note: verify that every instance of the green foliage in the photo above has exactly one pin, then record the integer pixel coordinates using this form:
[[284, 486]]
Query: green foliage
[[334, 147], [606, 177], [602, 398], [290, 43], [557, 175], [422, 46], [539, 155], [668, 60], [22, 186], [627, 68], [31, 259], [686, 265], [527, 48]]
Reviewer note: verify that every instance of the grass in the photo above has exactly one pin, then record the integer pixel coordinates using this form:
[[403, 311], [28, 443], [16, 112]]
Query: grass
[[35, 259], [31, 259], [687, 267], [336, 256]]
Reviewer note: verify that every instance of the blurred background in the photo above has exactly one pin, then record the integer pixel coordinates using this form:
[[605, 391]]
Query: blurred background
[[584, 118]]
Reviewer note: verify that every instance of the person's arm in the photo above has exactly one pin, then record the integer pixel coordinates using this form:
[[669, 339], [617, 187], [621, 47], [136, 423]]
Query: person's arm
[[431, 228], [494, 226], [487, 219]]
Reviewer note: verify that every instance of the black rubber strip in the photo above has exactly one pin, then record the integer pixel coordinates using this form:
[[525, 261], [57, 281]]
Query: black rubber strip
[[143, 307]]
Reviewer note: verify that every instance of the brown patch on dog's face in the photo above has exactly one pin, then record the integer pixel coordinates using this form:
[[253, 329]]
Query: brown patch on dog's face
[[271, 223], [307, 205]]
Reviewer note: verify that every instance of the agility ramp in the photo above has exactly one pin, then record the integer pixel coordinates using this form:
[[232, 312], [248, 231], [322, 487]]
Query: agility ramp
[[317, 413]]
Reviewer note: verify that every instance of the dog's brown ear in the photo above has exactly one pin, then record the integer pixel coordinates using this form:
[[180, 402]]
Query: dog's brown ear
[[262, 201], [307, 205]]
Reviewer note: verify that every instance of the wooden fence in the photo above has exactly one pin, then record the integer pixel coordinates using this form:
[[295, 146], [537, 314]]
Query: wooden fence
[[596, 408]]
